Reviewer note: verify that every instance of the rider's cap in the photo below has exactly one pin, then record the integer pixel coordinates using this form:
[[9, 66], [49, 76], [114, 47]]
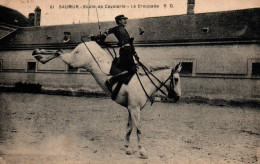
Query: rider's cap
[[119, 17]]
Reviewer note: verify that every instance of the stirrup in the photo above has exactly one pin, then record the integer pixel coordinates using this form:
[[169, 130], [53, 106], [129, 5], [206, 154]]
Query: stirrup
[[109, 86]]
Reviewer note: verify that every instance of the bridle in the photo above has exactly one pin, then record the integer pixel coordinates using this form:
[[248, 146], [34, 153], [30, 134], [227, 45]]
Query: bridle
[[170, 89]]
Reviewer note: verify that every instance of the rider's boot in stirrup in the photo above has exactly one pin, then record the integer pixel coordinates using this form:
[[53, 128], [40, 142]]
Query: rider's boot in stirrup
[[110, 82]]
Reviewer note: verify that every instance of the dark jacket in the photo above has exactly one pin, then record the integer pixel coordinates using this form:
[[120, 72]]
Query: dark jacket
[[121, 34], [125, 61]]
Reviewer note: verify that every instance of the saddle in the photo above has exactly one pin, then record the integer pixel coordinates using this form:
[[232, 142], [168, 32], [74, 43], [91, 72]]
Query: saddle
[[123, 80]]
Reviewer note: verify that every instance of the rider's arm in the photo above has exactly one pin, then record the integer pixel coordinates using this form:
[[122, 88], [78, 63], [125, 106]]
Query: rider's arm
[[100, 39], [109, 31]]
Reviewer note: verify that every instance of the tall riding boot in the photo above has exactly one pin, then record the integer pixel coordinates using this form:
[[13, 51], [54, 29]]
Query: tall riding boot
[[115, 79]]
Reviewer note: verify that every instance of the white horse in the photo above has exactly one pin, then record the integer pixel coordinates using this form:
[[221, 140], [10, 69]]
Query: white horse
[[131, 96]]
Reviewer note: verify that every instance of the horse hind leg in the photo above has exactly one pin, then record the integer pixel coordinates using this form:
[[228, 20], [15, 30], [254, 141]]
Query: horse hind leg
[[142, 150], [129, 129]]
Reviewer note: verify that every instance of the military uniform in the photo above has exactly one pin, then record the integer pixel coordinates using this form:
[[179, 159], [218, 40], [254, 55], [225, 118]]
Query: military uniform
[[126, 52]]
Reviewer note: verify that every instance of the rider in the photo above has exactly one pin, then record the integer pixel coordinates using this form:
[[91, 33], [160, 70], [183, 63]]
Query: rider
[[126, 51]]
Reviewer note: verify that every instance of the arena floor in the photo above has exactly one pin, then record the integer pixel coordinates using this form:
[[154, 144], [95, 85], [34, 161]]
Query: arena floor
[[37, 128]]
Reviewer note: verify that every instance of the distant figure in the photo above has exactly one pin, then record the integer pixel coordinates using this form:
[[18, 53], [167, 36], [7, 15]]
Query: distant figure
[[126, 52]]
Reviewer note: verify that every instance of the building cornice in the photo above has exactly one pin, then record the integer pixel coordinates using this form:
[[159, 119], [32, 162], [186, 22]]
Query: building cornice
[[156, 43]]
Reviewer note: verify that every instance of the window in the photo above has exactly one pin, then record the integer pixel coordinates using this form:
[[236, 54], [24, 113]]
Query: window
[[205, 30], [186, 68], [48, 37], [253, 67], [256, 69], [31, 66]]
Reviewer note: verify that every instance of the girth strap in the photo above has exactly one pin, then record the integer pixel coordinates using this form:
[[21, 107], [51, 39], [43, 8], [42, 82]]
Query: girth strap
[[116, 90]]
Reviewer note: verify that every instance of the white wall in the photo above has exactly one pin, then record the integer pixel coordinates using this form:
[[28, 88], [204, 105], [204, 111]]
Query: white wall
[[222, 71]]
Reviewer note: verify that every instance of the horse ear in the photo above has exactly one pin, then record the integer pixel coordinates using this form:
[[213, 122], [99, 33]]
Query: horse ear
[[178, 68]]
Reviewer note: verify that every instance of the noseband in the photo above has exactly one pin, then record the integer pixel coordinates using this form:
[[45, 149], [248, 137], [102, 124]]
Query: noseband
[[170, 89]]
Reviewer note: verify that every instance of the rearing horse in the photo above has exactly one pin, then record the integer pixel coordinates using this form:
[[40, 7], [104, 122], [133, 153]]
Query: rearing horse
[[131, 96]]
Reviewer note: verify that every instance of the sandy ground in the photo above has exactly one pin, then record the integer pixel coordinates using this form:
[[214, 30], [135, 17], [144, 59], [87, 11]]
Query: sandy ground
[[47, 129]]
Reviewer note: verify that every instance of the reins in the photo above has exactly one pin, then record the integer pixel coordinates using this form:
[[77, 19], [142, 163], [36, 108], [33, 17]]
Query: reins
[[147, 73], [162, 84], [149, 97], [93, 55]]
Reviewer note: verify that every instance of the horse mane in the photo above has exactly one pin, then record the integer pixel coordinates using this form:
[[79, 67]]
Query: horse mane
[[153, 69], [158, 68]]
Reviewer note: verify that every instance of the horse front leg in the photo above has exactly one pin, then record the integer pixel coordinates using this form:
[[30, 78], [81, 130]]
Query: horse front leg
[[129, 129], [142, 150], [136, 118]]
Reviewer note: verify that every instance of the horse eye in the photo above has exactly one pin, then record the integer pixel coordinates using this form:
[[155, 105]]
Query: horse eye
[[176, 80]]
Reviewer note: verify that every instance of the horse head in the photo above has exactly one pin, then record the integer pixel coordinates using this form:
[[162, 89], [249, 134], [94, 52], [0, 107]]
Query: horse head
[[174, 91]]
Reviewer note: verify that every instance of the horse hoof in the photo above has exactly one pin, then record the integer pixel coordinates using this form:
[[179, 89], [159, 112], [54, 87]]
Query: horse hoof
[[143, 153], [129, 151]]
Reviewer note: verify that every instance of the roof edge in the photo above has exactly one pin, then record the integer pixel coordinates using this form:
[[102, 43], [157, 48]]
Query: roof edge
[[137, 44], [142, 18]]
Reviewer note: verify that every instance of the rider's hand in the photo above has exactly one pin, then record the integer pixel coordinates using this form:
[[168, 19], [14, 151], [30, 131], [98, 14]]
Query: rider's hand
[[136, 61], [102, 37], [136, 58]]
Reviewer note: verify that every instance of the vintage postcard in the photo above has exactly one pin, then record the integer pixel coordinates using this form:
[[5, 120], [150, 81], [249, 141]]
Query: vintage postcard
[[129, 81]]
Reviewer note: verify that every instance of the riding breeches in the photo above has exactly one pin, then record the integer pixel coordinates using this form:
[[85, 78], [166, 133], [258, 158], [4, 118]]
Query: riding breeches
[[126, 60]]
